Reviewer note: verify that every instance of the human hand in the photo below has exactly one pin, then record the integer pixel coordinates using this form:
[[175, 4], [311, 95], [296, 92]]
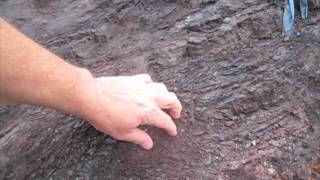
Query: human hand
[[118, 105]]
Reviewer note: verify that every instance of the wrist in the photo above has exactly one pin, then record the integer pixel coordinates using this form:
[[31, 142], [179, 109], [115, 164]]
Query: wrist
[[85, 91], [85, 83]]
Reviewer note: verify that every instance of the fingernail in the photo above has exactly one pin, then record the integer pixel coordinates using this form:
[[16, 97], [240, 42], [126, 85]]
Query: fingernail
[[175, 133], [147, 145], [175, 115]]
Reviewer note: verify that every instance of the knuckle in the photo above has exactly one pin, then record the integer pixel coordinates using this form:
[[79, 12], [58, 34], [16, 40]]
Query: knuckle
[[174, 98], [161, 86], [144, 77], [147, 76], [149, 111], [119, 136], [148, 114], [173, 95]]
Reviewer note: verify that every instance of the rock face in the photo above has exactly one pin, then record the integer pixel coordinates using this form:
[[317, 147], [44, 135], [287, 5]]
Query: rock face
[[251, 101]]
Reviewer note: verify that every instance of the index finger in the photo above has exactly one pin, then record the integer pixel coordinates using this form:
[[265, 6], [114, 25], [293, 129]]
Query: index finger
[[170, 102], [156, 117]]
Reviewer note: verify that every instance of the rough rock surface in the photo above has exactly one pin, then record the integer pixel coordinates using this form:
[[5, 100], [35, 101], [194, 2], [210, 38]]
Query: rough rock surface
[[251, 101]]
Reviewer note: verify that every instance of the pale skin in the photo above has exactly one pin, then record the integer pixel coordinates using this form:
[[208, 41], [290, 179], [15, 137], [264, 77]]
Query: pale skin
[[116, 106]]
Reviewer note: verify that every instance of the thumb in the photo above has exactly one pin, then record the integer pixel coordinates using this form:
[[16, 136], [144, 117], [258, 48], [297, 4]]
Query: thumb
[[140, 137]]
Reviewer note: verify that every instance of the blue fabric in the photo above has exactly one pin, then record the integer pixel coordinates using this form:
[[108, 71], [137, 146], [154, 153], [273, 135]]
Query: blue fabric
[[288, 16], [304, 8]]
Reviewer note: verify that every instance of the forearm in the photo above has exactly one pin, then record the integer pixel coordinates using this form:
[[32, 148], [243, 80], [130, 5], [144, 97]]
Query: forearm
[[31, 74]]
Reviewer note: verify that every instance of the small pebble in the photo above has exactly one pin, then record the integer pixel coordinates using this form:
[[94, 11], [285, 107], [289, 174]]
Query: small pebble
[[196, 40], [229, 123], [287, 38], [254, 143], [271, 171]]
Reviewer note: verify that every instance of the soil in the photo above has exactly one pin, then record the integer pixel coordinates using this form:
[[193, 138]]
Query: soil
[[251, 100]]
